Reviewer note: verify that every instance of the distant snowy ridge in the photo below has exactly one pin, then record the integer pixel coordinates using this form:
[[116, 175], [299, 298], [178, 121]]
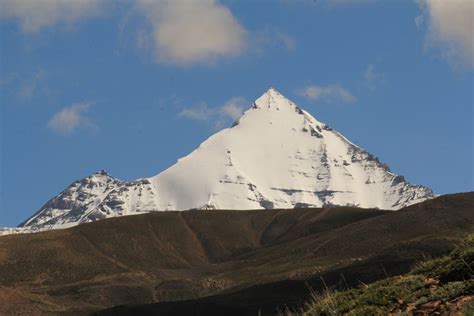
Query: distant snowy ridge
[[276, 156]]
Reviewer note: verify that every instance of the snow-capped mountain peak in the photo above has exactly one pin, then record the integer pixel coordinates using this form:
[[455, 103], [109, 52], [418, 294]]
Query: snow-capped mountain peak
[[275, 156], [278, 155], [272, 99]]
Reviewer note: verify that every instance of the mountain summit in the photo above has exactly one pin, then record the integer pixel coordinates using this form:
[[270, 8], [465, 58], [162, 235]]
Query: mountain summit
[[275, 156]]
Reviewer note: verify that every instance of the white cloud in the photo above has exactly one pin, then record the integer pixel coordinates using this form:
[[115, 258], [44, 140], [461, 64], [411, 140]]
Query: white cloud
[[33, 15], [69, 119], [450, 27], [218, 116], [233, 108], [179, 32], [372, 78], [193, 31], [329, 93], [200, 112]]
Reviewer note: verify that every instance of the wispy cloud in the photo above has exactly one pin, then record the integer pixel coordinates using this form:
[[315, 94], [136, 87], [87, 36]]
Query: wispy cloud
[[233, 108], [187, 32], [33, 15], [372, 78], [34, 85], [328, 94], [200, 112], [329, 3], [270, 38], [450, 26], [218, 116], [71, 118]]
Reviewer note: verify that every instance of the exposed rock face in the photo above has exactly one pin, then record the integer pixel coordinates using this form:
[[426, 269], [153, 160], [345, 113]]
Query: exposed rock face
[[95, 197]]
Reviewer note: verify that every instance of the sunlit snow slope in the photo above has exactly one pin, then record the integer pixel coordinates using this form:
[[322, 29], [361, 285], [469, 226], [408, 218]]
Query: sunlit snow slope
[[276, 156], [279, 156]]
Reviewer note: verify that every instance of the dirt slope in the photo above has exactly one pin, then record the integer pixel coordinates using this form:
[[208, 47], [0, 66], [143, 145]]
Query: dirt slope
[[170, 256]]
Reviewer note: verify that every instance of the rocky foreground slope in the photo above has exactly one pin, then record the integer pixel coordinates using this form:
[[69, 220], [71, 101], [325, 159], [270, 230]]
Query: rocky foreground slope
[[443, 286]]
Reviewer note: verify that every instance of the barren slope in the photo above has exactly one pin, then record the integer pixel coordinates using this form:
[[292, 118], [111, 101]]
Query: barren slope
[[167, 256]]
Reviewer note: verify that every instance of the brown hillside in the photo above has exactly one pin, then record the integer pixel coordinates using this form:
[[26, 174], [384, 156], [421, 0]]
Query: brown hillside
[[169, 256]]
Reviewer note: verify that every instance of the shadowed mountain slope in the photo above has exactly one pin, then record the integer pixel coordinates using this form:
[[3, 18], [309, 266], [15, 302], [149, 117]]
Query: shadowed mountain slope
[[252, 259]]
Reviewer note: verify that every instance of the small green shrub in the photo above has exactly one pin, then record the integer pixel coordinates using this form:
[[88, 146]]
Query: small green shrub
[[442, 279], [457, 266]]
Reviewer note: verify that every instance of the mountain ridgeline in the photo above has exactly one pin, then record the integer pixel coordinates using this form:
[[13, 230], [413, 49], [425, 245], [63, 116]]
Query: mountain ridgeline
[[275, 156]]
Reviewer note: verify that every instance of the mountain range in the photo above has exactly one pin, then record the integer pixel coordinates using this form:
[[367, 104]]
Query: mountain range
[[275, 156]]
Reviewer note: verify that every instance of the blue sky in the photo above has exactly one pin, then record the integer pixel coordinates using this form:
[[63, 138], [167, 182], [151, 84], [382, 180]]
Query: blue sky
[[131, 86]]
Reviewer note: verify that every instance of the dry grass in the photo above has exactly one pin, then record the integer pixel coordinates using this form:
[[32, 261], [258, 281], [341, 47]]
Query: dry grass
[[444, 285]]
